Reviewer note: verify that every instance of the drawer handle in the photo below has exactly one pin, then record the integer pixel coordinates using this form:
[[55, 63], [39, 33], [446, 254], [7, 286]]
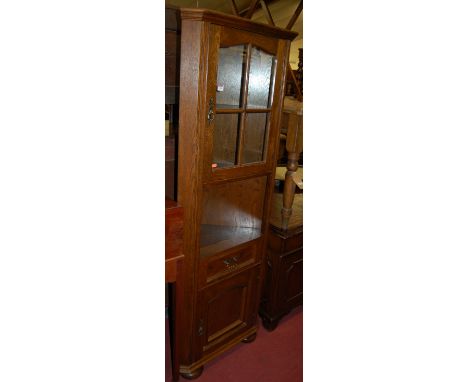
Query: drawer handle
[[231, 262], [201, 328]]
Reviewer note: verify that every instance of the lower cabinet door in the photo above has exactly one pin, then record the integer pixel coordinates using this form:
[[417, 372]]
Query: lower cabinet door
[[290, 280], [226, 310]]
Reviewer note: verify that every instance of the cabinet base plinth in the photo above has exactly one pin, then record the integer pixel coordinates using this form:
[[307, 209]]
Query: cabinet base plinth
[[194, 374]]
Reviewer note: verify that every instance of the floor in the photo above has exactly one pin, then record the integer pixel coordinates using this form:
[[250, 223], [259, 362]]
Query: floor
[[274, 356]]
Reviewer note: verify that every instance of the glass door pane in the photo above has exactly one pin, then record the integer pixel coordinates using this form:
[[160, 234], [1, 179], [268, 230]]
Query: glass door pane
[[225, 136], [231, 62], [261, 75], [254, 137]]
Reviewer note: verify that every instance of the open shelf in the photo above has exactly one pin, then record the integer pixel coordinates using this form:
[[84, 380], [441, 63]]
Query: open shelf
[[217, 238]]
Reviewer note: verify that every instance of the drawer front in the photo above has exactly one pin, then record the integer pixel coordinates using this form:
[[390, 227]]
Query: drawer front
[[293, 243], [213, 268], [281, 243]]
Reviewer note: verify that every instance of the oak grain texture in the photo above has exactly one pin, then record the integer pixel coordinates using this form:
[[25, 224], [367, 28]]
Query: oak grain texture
[[226, 210], [236, 23], [194, 44]]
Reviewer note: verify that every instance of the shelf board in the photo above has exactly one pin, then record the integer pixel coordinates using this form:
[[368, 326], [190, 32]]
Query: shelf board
[[216, 238]]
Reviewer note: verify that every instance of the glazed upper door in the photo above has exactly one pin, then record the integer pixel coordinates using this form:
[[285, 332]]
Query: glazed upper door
[[241, 101]]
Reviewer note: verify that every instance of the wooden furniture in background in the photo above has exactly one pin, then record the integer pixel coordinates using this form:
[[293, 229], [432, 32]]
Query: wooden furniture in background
[[172, 74], [172, 55], [299, 74], [292, 117], [295, 87], [232, 86], [170, 186], [282, 289], [174, 274]]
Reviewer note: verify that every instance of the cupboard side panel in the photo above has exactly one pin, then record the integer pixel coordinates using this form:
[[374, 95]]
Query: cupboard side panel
[[193, 64]]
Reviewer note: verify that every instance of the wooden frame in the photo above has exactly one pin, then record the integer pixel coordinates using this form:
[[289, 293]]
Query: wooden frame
[[203, 32]]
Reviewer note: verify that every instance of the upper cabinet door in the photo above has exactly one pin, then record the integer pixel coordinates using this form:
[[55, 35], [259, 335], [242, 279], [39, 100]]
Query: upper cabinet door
[[241, 101]]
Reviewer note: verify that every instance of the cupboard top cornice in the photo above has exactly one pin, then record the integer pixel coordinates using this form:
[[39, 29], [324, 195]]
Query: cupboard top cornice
[[235, 22]]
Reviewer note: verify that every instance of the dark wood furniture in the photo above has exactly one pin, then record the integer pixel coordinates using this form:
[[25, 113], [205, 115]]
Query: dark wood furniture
[[172, 73], [282, 289], [232, 76], [174, 274]]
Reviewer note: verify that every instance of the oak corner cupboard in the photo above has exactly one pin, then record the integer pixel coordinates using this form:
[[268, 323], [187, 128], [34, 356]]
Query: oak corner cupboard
[[232, 76]]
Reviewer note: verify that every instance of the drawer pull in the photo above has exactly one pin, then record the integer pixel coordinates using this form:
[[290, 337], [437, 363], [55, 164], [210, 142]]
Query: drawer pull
[[201, 328], [231, 262]]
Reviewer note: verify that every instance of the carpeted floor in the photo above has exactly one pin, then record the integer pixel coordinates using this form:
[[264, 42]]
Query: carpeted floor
[[274, 356]]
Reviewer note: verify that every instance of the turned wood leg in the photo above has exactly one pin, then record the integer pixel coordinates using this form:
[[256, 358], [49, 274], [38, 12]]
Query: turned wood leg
[[289, 189], [194, 374], [294, 149]]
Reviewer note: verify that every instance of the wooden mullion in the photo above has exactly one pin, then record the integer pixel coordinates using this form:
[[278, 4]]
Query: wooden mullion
[[229, 111], [274, 70], [266, 136], [240, 137], [271, 91], [259, 110], [295, 16], [267, 13]]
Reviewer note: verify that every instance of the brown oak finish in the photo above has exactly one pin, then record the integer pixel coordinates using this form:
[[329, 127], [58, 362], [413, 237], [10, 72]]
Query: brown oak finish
[[236, 22], [226, 210], [193, 62]]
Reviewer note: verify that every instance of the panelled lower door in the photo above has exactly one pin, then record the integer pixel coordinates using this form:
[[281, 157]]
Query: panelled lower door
[[226, 309]]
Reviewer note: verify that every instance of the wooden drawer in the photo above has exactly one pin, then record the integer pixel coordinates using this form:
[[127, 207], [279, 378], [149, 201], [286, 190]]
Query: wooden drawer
[[293, 243], [215, 267], [282, 242]]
